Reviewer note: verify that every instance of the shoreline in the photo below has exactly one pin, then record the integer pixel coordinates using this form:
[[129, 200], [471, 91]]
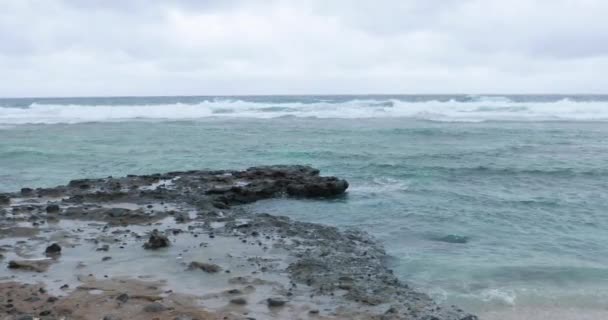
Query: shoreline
[[208, 256]]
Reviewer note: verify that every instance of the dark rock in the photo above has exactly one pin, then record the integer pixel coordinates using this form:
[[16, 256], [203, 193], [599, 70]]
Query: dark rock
[[154, 307], [123, 297], [106, 258], [156, 241], [239, 301], [53, 250], [105, 247], [4, 200], [111, 317], [29, 265], [320, 187], [275, 302], [52, 208], [207, 267], [24, 317], [27, 191]]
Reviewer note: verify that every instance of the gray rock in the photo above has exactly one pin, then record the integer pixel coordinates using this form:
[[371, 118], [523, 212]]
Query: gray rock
[[155, 307], [52, 208], [207, 267], [239, 301], [29, 265], [275, 302], [123, 297]]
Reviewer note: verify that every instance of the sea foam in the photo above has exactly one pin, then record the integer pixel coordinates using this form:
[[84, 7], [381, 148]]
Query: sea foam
[[473, 110]]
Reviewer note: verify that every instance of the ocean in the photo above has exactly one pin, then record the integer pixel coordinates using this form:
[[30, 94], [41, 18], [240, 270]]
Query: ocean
[[498, 204]]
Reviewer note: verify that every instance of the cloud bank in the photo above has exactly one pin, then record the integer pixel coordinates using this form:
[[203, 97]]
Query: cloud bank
[[188, 47]]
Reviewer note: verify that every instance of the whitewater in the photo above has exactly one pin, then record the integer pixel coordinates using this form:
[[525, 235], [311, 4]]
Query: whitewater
[[433, 108]]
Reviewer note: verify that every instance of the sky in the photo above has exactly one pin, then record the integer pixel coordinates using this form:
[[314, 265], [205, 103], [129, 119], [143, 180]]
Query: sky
[[239, 47]]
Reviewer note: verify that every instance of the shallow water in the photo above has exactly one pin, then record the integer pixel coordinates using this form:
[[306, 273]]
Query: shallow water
[[490, 214]]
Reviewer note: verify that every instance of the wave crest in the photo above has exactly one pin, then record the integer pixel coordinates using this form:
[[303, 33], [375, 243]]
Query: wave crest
[[474, 109]]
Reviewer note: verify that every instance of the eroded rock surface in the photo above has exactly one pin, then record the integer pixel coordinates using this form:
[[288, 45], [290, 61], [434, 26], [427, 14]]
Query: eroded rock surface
[[271, 266]]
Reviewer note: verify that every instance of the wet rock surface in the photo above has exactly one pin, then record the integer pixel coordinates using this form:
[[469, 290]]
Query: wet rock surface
[[255, 265]]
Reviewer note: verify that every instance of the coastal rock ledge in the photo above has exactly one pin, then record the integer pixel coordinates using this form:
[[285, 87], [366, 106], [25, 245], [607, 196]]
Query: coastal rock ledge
[[209, 249]]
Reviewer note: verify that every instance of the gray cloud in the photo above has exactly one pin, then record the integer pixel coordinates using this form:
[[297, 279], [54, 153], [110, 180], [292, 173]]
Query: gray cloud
[[70, 47]]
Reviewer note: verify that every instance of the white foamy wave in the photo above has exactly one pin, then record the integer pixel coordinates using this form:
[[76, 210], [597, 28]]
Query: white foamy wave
[[381, 185], [504, 296], [474, 110]]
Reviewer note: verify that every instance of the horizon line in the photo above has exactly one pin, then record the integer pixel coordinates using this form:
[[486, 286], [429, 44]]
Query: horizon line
[[304, 95]]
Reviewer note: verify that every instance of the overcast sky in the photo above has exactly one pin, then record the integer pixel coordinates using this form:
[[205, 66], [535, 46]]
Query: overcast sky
[[189, 47]]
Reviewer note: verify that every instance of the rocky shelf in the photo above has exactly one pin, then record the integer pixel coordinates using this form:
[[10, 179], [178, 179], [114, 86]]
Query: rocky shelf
[[179, 245]]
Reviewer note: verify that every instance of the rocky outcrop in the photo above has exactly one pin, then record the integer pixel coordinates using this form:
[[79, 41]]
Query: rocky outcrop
[[346, 266]]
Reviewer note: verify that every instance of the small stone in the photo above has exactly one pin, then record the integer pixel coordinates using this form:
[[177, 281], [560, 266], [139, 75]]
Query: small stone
[[24, 317], [52, 208], [111, 317], [32, 299], [51, 299], [123, 297], [275, 302], [239, 301], [207, 267], [105, 247], [53, 250], [234, 291], [154, 307], [106, 258], [156, 241]]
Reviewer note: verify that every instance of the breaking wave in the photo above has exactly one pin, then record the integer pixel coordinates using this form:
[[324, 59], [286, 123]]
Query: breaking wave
[[477, 109]]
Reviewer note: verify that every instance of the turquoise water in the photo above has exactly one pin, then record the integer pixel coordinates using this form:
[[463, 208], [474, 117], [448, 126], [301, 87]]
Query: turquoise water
[[487, 202]]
